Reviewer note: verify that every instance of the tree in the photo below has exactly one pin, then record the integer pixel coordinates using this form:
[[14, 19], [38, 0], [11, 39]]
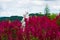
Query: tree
[[47, 11], [40, 14], [31, 14], [52, 16]]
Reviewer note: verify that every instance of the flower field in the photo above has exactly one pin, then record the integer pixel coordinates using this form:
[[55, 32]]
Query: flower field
[[36, 28]]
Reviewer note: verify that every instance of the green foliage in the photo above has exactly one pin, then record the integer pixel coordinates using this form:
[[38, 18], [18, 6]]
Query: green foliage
[[52, 16], [33, 38], [4, 37], [47, 10], [4, 18], [11, 18], [32, 14], [36, 14], [14, 33], [40, 14], [58, 21]]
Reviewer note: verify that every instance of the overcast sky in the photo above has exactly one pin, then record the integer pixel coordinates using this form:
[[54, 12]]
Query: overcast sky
[[20, 7]]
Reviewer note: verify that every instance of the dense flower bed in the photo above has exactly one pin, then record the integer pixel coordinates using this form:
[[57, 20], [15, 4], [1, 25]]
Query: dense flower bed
[[36, 28]]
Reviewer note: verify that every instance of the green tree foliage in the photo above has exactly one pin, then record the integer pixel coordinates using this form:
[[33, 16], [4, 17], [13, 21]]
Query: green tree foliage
[[36, 14], [58, 22], [40, 14], [11, 18], [46, 11], [52, 16], [4, 18], [31, 14]]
